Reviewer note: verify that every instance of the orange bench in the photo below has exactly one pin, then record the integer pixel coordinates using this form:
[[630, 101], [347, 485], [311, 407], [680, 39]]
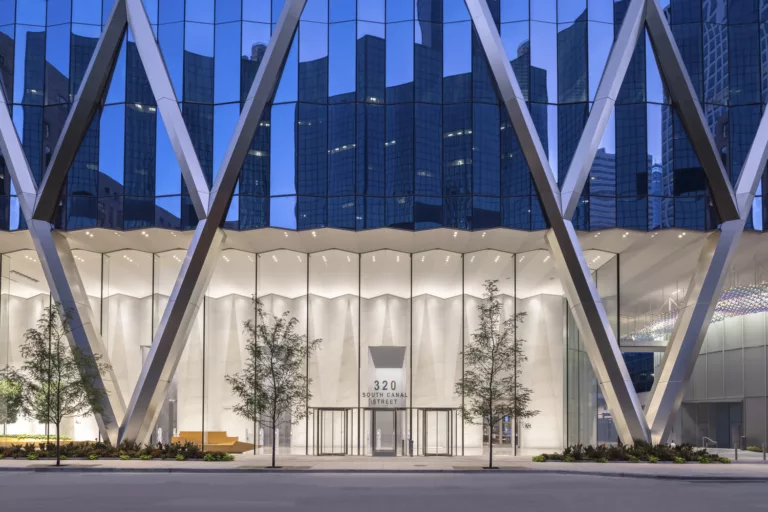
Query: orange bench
[[215, 441]]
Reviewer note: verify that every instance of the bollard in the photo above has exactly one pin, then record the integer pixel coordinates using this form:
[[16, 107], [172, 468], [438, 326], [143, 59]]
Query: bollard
[[736, 453], [763, 452]]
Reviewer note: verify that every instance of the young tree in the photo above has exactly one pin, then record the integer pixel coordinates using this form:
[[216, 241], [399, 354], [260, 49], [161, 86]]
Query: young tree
[[59, 380], [273, 387], [10, 396], [493, 361]]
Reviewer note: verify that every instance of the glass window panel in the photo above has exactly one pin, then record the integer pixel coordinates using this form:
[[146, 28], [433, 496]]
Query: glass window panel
[[342, 10], [282, 212], [315, 10], [428, 61], [313, 62], [744, 50], [312, 151], [600, 10], [400, 62], [7, 12], [371, 63], [257, 10], [428, 212], [171, 38], [543, 62], [428, 147], [226, 85], [283, 150], [457, 62], [168, 212], [199, 10], [399, 150], [545, 10], [84, 41], [168, 172], [171, 10], [287, 88], [454, 10], [341, 212], [312, 212], [568, 11], [228, 10], [399, 212], [370, 146], [29, 65], [514, 10], [341, 149], [370, 10], [572, 49], [600, 44], [137, 88], [87, 11], [654, 85], [341, 63], [224, 122], [57, 65], [486, 150], [457, 149], [140, 130], [31, 12], [254, 175], [198, 62], [399, 11], [255, 39], [277, 8], [59, 12]]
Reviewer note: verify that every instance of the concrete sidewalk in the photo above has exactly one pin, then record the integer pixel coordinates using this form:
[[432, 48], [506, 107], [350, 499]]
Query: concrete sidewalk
[[750, 467]]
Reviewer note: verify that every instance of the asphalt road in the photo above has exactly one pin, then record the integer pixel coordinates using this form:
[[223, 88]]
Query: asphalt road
[[118, 492]]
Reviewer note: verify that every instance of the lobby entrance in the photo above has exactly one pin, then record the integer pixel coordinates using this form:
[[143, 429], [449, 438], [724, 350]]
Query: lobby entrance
[[332, 431], [384, 432], [438, 429]]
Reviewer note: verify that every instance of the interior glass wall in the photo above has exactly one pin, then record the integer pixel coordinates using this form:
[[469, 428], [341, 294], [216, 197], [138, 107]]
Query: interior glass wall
[[281, 286], [228, 306], [334, 317]]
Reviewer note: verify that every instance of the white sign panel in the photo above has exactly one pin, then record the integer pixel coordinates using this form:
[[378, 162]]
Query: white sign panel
[[386, 387]]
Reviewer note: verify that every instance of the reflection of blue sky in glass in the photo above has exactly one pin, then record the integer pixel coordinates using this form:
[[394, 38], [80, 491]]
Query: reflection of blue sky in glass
[[189, 27]]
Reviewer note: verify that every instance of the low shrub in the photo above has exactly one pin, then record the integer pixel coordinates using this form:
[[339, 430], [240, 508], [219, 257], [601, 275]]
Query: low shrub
[[180, 457], [125, 456], [652, 459], [633, 459], [680, 460], [539, 458], [723, 460], [569, 459], [755, 449], [640, 451], [602, 460], [33, 455], [145, 457], [93, 456]]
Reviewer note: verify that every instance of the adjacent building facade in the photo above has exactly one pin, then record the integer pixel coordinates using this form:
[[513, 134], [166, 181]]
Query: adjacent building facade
[[383, 186]]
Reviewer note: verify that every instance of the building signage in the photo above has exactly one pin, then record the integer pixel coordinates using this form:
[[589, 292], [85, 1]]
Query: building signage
[[386, 378]]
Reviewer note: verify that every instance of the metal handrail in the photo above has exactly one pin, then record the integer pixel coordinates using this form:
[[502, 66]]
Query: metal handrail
[[706, 439]]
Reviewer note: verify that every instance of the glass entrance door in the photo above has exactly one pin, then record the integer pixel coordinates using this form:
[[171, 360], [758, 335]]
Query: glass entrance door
[[437, 432], [384, 432], [332, 435]]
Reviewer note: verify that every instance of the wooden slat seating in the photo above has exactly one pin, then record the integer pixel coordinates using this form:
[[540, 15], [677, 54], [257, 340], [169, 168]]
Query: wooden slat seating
[[216, 441]]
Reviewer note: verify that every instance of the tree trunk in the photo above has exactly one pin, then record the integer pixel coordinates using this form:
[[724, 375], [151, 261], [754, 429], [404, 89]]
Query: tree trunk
[[58, 444], [490, 451], [274, 437]]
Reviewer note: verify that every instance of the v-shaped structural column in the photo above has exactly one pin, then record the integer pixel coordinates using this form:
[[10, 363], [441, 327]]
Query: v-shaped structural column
[[52, 248], [712, 267], [205, 249], [571, 265]]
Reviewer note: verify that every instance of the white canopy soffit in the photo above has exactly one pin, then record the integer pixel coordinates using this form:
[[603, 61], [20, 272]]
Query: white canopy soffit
[[134, 422], [559, 206]]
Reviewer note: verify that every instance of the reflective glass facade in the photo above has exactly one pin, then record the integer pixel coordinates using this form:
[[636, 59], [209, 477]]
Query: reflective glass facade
[[385, 115]]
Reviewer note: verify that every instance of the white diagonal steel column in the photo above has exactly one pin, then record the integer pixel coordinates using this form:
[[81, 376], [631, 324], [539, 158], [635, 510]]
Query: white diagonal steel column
[[61, 273], [204, 251], [685, 101], [605, 99], [704, 291], [87, 102], [168, 105], [585, 302]]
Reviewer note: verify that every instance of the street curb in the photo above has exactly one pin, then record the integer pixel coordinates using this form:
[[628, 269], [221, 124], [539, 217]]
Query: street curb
[[647, 476]]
